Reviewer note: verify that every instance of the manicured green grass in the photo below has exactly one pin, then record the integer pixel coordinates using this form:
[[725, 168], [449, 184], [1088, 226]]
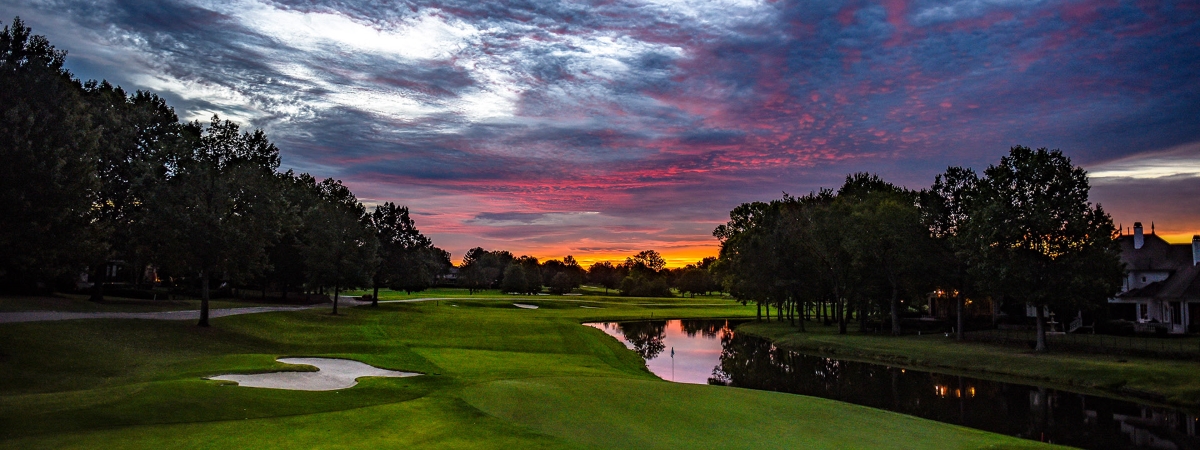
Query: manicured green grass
[[640, 414], [1175, 382], [585, 293], [496, 377]]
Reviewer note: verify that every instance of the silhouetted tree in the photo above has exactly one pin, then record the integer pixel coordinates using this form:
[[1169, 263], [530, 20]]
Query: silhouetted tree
[[1037, 237], [48, 179], [514, 279], [216, 211], [604, 273], [408, 260], [482, 269], [340, 248]]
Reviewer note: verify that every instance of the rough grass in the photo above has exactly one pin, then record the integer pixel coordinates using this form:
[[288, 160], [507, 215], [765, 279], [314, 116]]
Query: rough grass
[[1172, 382], [496, 377]]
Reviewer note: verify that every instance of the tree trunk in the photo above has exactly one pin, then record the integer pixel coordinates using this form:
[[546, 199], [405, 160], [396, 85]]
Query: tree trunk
[[803, 316], [759, 305], [203, 298], [792, 312], [375, 295], [895, 311], [841, 316], [862, 317], [336, 289], [98, 284], [1041, 330], [958, 307]]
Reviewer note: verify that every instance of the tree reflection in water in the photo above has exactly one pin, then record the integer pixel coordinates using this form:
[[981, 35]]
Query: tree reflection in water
[[646, 337], [1030, 412], [1019, 410], [708, 329]]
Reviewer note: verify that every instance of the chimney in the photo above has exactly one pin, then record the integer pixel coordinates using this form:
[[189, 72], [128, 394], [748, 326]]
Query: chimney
[[1196, 249], [1138, 239]]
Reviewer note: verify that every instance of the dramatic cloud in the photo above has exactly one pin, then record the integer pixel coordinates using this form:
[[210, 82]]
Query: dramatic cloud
[[600, 128]]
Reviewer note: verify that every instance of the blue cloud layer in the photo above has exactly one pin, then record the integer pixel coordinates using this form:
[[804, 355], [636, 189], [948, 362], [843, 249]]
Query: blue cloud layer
[[650, 112]]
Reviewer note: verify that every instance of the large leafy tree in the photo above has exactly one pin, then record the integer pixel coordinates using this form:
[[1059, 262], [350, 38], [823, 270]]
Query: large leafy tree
[[945, 211], [749, 253], [1037, 238], [482, 269], [646, 261], [215, 213], [514, 279], [533, 274], [137, 135], [340, 247], [298, 194], [885, 236], [408, 259], [605, 274], [694, 280], [48, 181], [821, 230]]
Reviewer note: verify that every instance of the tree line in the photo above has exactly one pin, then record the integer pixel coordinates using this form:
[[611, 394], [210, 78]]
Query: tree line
[[93, 174], [642, 275], [1022, 233]]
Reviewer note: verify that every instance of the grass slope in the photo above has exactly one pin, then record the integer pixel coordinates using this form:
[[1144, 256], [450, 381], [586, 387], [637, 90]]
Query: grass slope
[[497, 377]]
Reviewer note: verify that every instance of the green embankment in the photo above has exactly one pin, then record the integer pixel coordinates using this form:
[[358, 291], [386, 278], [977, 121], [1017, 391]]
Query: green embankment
[[497, 377], [1173, 382]]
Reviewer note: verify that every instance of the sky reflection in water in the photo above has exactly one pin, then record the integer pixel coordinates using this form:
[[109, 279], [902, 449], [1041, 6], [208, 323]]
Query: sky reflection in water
[[696, 343], [709, 352]]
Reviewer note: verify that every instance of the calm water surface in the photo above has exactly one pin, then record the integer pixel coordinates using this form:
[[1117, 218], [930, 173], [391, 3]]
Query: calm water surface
[[709, 352]]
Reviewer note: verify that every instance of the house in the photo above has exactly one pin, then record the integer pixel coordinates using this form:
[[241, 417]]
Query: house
[[1161, 290]]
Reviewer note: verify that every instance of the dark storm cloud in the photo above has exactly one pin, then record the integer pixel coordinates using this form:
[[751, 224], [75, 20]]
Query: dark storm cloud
[[651, 111]]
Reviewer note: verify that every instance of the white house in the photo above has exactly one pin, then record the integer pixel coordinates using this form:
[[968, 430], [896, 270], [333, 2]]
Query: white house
[[1161, 288]]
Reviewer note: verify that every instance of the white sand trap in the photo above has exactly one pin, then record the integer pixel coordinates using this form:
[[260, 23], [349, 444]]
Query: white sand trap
[[332, 374], [524, 306], [591, 307]]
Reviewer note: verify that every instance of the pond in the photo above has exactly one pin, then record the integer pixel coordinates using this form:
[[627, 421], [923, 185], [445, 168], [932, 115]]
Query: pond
[[710, 352]]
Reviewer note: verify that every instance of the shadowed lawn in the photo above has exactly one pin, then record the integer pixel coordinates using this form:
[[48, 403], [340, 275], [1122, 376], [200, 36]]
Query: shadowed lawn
[[80, 303], [496, 377], [569, 408], [1176, 381]]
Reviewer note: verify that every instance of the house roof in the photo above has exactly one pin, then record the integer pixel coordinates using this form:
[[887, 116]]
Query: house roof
[[1155, 254], [1158, 255]]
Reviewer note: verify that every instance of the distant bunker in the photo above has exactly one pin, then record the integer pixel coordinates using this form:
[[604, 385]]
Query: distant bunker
[[331, 375], [524, 306]]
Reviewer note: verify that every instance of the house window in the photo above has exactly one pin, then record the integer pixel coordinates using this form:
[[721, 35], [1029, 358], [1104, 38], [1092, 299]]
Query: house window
[[1143, 311], [1143, 279]]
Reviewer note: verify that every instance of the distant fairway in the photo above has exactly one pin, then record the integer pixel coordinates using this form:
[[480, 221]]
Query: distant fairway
[[497, 376]]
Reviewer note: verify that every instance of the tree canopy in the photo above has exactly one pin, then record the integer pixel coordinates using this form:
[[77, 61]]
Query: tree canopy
[[97, 178], [1024, 232]]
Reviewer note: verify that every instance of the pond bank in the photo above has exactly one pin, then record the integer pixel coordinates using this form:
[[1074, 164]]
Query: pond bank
[[1168, 382]]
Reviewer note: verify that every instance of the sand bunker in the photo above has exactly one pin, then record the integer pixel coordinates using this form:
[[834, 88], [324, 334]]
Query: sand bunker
[[590, 307], [524, 306], [333, 374]]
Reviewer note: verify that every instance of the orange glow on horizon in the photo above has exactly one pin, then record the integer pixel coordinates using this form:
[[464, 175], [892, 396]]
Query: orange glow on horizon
[[675, 257], [1179, 238]]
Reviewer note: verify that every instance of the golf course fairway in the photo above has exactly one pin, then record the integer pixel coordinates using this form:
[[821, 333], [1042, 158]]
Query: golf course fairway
[[495, 376]]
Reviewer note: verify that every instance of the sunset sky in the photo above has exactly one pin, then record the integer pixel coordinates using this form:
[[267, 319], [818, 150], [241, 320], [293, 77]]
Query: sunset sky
[[599, 129]]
